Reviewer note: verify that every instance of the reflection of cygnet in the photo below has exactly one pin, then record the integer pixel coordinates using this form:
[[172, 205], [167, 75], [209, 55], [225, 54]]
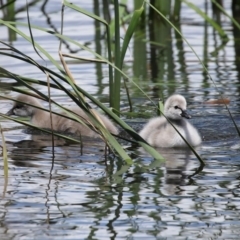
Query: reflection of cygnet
[[158, 131], [41, 118]]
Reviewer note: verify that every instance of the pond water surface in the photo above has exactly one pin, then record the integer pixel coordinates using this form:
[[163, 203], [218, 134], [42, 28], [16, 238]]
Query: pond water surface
[[75, 193]]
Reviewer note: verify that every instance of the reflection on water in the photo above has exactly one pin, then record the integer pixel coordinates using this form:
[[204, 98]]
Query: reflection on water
[[36, 144], [180, 164], [75, 193]]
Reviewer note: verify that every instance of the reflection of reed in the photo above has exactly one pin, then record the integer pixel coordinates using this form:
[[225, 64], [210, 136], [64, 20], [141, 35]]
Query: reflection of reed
[[137, 186], [55, 28], [39, 141], [28, 152], [176, 168]]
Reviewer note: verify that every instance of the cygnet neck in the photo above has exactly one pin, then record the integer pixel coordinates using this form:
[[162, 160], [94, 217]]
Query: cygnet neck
[[178, 122]]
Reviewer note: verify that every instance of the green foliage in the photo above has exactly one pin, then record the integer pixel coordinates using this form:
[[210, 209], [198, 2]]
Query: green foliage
[[75, 95], [218, 28], [117, 46], [4, 153]]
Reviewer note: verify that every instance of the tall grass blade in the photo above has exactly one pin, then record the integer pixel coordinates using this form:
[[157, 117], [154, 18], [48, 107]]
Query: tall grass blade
[[189, 45], [177, 9], [126, 127], [5, 157], [131, 28], [40, 129], [5, 162], [77, 89], [121, 171], [115, 99], [225, 12], [160, 107], [68, 72], [216, 26], [79, 45], [111, 140], [48, 85], [83, 11], [3, 6], [97, 18], [31, 35]]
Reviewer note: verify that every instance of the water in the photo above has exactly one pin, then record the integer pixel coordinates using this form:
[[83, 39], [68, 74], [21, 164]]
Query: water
[[76, 194]]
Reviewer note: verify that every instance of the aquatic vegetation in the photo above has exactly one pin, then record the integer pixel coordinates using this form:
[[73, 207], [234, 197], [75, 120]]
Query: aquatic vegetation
[[115, 59]]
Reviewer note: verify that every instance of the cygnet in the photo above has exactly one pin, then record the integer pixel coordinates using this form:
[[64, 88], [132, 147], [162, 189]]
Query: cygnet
[[41, 118], [159, 132]]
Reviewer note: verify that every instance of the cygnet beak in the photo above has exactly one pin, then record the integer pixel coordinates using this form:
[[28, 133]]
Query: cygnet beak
[[185, 114], [10, 112]]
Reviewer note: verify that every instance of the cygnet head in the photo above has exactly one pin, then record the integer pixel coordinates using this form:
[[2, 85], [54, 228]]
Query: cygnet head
[[22, 109], [176, 107]]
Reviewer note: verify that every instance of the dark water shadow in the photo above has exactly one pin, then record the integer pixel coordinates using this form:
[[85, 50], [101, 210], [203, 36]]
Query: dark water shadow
[[37, 147]]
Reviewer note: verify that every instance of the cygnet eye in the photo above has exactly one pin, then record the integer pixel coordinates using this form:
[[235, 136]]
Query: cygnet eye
[[176, 107], [18, 106]]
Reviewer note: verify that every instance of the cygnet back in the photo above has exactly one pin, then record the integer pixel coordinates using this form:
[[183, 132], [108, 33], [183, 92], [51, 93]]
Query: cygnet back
[[41, 118]]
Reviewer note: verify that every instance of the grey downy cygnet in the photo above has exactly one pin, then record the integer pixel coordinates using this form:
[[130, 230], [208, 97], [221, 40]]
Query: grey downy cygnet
[[41, 118], [158, 131]]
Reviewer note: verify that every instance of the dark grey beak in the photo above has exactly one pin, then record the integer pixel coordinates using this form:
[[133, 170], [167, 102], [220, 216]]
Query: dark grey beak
[[10, 112], [185, 114]]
